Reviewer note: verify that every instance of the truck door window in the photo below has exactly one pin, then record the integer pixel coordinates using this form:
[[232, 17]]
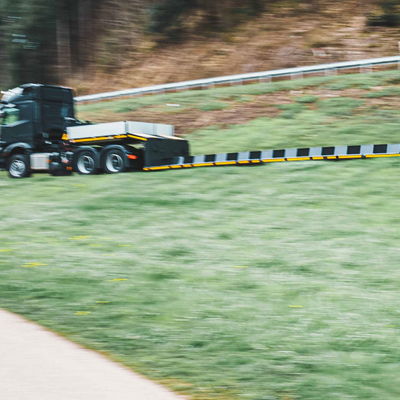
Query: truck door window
[[10, 116]]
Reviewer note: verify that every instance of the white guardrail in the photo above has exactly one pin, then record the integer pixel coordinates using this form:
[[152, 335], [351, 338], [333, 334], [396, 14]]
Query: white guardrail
[[237, 79]]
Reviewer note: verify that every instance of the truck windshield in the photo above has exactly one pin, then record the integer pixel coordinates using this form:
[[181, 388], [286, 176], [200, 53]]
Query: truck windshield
[[9, 116]]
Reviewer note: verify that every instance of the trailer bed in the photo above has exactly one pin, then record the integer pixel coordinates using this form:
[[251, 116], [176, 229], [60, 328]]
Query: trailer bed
[[157, 140]]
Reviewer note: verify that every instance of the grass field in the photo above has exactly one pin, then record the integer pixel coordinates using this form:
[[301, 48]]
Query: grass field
[[275, 282]]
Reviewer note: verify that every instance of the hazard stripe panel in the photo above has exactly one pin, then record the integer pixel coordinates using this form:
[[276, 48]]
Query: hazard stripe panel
[[280, 155], [108, 137]]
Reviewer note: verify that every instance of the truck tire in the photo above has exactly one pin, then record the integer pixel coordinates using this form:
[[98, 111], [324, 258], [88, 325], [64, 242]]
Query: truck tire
[[85, 161], [114, 160], [18, 166]]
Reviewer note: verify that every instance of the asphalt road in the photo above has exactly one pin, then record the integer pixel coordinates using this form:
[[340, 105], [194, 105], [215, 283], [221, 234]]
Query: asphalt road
[[36, 364]]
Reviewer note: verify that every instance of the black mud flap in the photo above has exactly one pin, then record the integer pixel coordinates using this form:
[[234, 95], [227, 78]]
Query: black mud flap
[[163, 151]]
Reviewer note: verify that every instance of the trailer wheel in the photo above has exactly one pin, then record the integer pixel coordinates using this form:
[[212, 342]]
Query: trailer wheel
[[85, 162], [114, 161], [18, 166]]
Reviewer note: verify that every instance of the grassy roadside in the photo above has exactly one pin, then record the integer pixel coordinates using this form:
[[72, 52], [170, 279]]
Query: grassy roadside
[[272, 282], [200, 98], [306, 128], [216, 99]]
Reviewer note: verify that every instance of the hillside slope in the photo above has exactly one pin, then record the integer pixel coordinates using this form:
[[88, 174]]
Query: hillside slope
[[331, 101], [283, 36]]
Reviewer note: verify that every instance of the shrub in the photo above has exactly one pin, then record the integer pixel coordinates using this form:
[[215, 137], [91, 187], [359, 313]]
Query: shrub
[[307, 99], [339, 106], [291, 110], [388, 15]]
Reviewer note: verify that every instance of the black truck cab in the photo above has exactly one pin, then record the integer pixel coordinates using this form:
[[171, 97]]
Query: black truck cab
[[35, 114], [33, 118]]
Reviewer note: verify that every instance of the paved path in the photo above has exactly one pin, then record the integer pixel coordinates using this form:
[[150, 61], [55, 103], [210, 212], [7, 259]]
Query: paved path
[[36, 364]]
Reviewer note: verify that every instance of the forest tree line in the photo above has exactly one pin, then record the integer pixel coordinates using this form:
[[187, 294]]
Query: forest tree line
[[50, 40]]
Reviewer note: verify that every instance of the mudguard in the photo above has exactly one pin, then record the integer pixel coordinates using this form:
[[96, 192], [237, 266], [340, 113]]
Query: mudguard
[[18, 147], [158, 151]]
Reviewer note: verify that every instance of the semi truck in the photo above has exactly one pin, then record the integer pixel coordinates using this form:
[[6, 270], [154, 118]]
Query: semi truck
[[40, 132]]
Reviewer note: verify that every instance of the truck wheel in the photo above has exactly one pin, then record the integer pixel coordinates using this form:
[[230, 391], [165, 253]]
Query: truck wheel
[[18, 166], [85, 162], [114, 161]]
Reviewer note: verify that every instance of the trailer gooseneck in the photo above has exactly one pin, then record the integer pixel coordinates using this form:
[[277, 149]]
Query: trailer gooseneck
[[39, 132]]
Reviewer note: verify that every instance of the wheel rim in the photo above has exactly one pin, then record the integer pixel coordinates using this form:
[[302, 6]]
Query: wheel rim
[[86, 164], [114, 162], [17, 168]]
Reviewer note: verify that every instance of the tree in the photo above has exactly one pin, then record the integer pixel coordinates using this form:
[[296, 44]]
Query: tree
[[45, 40], [388, 15], [27, 40], [51, 40], [168, 17]]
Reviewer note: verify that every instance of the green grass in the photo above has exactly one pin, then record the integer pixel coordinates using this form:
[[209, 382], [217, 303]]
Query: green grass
[[389, 91], [237, 283], [302, 129], [291, 110], [212, 106], [307, 99], [275, 282]]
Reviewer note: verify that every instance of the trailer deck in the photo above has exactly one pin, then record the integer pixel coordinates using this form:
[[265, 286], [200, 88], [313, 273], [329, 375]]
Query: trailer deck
[[157, 140]]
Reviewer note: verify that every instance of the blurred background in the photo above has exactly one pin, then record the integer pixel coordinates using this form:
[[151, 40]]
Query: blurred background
[[104, 44]]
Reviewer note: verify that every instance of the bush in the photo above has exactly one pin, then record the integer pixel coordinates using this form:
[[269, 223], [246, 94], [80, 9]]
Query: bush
[[307, 99], [170, 19], [389, 15], [339, 106], [291, 110], [166, 17]]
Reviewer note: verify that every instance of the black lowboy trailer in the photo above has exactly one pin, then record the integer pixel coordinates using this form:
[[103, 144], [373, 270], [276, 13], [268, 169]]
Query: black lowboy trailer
[[39, 132]]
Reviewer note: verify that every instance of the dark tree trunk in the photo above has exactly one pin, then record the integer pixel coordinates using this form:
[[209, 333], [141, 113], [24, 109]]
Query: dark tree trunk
[[64, 63]]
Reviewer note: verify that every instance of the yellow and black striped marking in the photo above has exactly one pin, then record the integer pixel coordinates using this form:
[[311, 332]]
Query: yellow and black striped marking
[[270, 156], [98, 138], [108, 138]]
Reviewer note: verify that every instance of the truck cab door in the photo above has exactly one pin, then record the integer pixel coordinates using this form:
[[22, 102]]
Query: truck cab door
[[13, 129]]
